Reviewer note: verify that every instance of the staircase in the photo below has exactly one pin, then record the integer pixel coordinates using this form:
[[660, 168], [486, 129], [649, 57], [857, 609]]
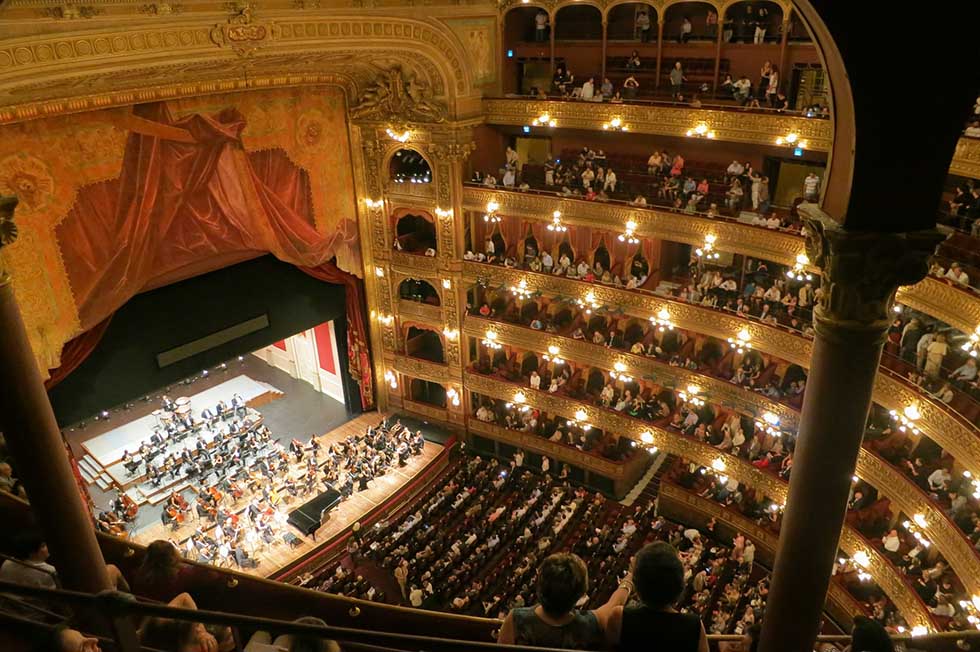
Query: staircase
[[648, 486], [93, 473]]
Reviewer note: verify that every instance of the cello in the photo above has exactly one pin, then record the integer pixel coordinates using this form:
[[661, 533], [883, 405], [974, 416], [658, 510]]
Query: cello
[[129, 507]]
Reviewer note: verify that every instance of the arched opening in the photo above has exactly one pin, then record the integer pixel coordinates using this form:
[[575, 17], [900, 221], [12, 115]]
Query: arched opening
[[423, 391], [417, 290], [565, 250], [415, 234], [425, 344], [686, 22], [529, 364], [499, 244], [408, 166], [530, 248], [601, 258], [624, 24], [595, 382], [754, 21], [578, 23], [529, 310], [634, 332]]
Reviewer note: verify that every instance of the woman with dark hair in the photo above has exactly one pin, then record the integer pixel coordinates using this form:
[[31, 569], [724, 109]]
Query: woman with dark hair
[[555, 622], [869, 636], [162, 575], [654, 625]]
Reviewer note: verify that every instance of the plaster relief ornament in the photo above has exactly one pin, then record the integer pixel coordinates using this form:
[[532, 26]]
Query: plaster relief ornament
[[395, 96]]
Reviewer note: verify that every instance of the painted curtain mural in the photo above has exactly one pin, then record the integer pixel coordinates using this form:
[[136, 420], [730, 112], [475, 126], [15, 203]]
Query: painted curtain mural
[[119, 201]]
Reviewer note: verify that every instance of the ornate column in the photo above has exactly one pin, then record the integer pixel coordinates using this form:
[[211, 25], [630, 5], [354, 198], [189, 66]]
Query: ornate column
[[860, 273], [32, 433], [551, 38], [721, 21], [605, 37], [783, 42]]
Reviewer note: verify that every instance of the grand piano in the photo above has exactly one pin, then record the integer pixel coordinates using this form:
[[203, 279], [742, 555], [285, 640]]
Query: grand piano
[[307, 517]]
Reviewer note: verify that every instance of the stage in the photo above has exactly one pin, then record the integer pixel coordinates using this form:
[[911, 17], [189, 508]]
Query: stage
[[273, 557]]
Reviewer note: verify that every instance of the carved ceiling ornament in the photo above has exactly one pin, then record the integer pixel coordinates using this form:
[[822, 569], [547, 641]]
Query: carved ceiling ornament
[[398, 98], [242, 33], [861, 271]]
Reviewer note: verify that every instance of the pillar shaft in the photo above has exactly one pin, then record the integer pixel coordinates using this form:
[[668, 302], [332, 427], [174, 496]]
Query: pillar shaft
[[660, 48], [34, 439], [860, 273]]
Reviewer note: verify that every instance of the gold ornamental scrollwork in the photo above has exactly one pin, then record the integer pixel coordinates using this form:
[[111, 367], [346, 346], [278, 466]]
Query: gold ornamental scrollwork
[[414, 264], [941, 298], [395, 96], [242, 33], [421, 369], [431, 315], [966, 158]]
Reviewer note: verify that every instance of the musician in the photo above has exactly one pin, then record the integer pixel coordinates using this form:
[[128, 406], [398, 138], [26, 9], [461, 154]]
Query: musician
[[221, 410], [166, 403], [156, 439], [238, 404], [296, 447], [418, 443], [169, 518], [207, 415], [234, 428], [253, 510]]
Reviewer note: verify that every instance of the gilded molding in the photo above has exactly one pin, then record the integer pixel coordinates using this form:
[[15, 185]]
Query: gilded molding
[[552, 449], [431, 315], [861, 272], [767, 244], [414, 264], [908, 603], [966, 158], [429, 411], [581, 352], [704, 455], [734, 126], [958, 307], [421, 369]]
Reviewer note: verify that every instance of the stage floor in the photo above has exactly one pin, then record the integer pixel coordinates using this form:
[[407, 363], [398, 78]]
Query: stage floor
[[273, 557]]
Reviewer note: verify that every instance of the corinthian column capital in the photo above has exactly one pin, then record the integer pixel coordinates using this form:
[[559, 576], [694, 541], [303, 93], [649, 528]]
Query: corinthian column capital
[[860, 270]]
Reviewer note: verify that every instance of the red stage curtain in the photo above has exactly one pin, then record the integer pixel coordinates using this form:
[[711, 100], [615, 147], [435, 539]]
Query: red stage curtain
[[75, 352], [358, 355]]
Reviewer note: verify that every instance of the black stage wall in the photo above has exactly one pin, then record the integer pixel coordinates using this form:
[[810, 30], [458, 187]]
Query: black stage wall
[[123, 368]]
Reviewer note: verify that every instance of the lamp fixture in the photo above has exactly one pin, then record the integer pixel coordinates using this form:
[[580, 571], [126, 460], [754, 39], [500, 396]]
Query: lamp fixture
[[556, 224], [447, 284], [707, 250], [588, 303], [792, 139], [690, 395], [373, 203], [718, 465], [861, 558], [444, 212], [579, 420], [400, 137], [700, 130], [769, 424], [619, 373], [386, 320], [379, 271], [741, 342], [662, 320], [972, 346], [799, 273], [906, 418], [391, 379], [520, 290], [544, 120], [629, 237], [451, 334], [616, 124], [490, 340], [646, 437], [519, 402], [919, 630], [915, 527], [552, 355], [491, 215], [453, 396]]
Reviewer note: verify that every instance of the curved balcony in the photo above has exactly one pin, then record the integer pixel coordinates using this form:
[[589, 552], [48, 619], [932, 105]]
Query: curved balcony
[[871, 467], [951, 431], [888, 578], [958, 306], [729, 124]]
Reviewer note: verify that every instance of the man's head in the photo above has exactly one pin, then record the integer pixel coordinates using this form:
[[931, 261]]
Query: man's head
[[5, 470], [658, 575], [32, 547]]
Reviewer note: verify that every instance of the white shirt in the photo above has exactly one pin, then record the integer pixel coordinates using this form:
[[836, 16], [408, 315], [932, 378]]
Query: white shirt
[[415, 597], [810, 184], [540, 20], [736, 169], [588, 90], [961, 278], [892, 544], [29, 573]]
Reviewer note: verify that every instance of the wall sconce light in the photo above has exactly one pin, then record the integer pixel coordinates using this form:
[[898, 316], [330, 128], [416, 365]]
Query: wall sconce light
[[451, 334], [579, 420], [588, 303], [629, 237], [491, 215], [447, 284], [391, 379], [386, 320], [520, 290], [374, 203], [379, 271], [799, 273], [907, 418], [862, 559], [972, 347], [769, 423], [520, 400], [453, 396], [490, 340], [646, 437], [662, 320], [707, 250], [616, 124], [552, 355], [556, 224], [444, 213], [400, 137], [544, 120], [792, 139], [619, 373], [919, 630], [741, 342], [701, 130], [718, 465], [691, 396]]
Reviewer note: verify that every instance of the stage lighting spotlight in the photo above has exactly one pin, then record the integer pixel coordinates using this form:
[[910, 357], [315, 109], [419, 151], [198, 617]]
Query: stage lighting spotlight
[[241, 358], [204, 374], [105, 414]]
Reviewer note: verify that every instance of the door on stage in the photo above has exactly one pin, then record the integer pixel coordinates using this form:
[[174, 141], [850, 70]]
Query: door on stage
[[304, 353]]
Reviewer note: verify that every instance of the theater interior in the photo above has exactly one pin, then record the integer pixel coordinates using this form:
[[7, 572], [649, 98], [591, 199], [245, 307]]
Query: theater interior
[[396, 326]]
